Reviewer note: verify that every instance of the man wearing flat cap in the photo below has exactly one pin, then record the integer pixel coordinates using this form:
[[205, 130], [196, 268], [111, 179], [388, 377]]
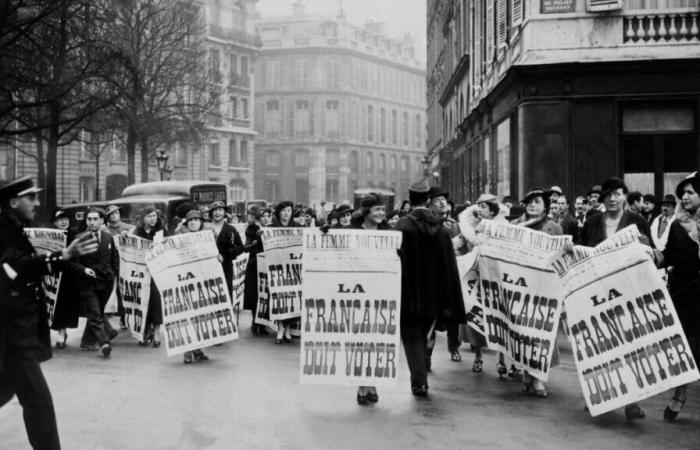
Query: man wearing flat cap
[[24, 331], [430, 286]]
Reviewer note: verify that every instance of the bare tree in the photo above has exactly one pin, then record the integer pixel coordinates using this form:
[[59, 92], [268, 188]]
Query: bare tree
[[163, 93]]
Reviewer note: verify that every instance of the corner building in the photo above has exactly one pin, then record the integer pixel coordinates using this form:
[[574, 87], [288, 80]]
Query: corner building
[[338, 107], [567, 92]]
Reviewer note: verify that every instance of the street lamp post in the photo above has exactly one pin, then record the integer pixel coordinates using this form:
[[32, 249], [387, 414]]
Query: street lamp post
[[162, 163]]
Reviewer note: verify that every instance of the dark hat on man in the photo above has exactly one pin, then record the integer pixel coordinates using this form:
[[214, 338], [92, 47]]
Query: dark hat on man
[[693, 178], [437, 191], [111, 209], [669, 199], [217, 204], [194, 214], [372, 200], [418, 192], [651, 198], [594, 190], [283, 204], [516, 211], [612, 184], [59, 214], [343, 209], [18, 188]]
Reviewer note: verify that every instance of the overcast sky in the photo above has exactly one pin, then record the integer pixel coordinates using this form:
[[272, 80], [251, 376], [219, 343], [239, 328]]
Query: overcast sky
[[399, 16]]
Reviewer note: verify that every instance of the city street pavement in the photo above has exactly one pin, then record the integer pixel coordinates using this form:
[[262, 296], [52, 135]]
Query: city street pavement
[[248, 396]]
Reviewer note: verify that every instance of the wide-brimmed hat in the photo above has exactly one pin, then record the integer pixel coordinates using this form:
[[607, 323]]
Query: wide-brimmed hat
[[669, 199], [692, 178], [18, 188], [217, 204], [437, 191], [194, 214], [111, 209], [612, 184], [343, 209], [487, 198]]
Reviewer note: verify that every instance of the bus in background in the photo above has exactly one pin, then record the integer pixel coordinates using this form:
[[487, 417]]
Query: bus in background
[[166, 196]]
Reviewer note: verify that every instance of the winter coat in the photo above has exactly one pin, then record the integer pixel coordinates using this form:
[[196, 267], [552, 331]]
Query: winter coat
[[229, 244], [24, 330], [681, 253], [68, 309], [253, 245], [593, 232], [430, 284]]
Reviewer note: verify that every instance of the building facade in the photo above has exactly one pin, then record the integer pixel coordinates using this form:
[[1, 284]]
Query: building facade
[[545, 92], [86, 173], [338, 107]]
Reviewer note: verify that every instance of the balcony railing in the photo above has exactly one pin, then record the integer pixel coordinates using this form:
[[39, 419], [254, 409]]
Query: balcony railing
[[650, 27], [238, 36]]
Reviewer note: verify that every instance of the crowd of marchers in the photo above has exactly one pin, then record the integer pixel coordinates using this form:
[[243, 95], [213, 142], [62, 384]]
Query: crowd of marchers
[[435, 231]]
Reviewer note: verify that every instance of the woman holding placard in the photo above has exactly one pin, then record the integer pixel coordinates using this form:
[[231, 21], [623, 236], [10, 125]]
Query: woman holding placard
[[373, 217], [283, 219], [682, 252], [193, 224], [536, 218]]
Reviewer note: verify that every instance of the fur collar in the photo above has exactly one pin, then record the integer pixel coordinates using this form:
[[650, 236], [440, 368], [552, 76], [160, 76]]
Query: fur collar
[[690, 223]]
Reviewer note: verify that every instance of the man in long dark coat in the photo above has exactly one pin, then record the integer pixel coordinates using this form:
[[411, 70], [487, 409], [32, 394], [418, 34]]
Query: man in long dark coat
[[430, 285], [24, 330]]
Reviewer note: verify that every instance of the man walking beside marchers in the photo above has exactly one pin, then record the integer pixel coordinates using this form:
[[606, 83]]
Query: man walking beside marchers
[[430, 284]]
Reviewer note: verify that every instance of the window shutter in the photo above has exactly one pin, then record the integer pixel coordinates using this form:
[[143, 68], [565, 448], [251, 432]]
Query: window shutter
[[516, 13], [502, 17], [490, 38]]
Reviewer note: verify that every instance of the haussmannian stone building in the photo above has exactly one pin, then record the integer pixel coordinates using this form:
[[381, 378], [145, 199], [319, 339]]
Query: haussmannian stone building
[[338, 107]]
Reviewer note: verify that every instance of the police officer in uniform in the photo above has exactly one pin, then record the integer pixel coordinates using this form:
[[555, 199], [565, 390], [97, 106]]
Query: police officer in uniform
[[24, 330]]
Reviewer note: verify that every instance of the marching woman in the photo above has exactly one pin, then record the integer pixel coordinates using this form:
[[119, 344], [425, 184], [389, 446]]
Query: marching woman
[[344, 213], [599, 227], [228, 242], [151, 228], [193, 224], [682, 252], [372, 218], [283, 219], [536, 218], [67, 310], [253, 245]]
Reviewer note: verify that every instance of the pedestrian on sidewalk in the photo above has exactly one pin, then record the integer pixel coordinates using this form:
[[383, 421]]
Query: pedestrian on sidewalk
[[430, 284]]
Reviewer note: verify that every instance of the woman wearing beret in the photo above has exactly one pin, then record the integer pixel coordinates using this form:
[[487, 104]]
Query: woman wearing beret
[[151, 228], [283, 219], [682, 252], [536, 217], [193, 224]]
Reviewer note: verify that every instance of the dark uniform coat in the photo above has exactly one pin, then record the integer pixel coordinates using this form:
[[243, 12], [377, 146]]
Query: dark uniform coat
[[430, 284], [24, 328]]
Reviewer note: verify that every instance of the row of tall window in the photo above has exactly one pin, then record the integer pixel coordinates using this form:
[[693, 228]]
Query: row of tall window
[[354, 74], [235, 67], [390, 164], [336, 119], [237, 152]]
